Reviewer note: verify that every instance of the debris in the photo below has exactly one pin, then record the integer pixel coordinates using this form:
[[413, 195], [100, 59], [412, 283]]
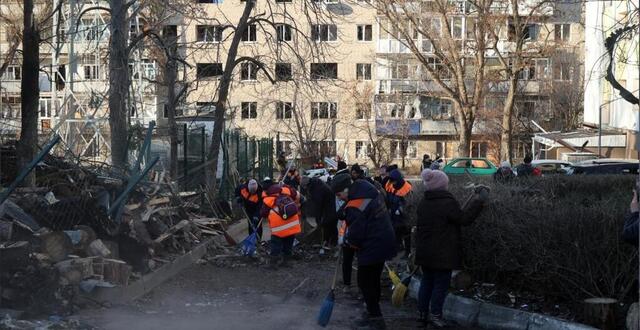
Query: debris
[[172, 231]]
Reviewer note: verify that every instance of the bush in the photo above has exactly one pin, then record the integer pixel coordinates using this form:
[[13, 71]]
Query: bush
[[556, 236]]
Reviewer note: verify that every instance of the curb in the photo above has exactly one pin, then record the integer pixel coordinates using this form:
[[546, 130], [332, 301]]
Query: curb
[[469, 312]]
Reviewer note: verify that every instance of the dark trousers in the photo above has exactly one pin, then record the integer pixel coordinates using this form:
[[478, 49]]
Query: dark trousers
[[369, 284], [282, 245], [433, 290], [329, 226], [403, 238], [347, 262], [252, 223]]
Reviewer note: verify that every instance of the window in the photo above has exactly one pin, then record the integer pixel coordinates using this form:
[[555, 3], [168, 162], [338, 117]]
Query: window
[[249, 35], [365, 33], [363, 71], [207, 70], [363, 111], [562, 32], [248, 71], [284, 1], [541, 68], [10, 107], [89, 30], [209, 1], [209, 33], [46, 108], [440, 69], [283, 32], [91, 72], [528, 72], [249, 110], [283, 71], [531, 32], [320, 71], [456, 27], [283, 110], [526, 109], [205, 106], [324, 110], [362, 149], [324, 32], [440, 148], [13, 72], [408, 149], [561, 71], [479, 149], [462, 164], [323, 148], [437, 109]]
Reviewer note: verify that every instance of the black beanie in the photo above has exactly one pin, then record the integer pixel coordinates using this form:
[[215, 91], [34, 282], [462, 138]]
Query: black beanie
[[340, 182]]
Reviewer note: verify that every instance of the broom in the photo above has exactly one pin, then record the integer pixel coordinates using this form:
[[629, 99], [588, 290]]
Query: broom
[[248, 245], [395, 279], [324, 316], [400, 291]]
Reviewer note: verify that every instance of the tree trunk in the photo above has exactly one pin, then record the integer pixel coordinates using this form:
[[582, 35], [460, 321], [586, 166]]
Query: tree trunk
[[465, 119], [119, 83], [506, 151], [30, 92], [223, 93], [172, 102]]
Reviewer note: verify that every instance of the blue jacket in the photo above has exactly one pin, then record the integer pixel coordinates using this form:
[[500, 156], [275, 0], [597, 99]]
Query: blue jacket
[[630, 231], [369, 228]]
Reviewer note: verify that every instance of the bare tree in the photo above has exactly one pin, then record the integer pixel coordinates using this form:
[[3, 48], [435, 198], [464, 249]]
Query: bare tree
[[453, 61]]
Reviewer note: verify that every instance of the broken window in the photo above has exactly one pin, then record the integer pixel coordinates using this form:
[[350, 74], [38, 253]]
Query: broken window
[[249, 110], [207, 70], [283, 71], [321, 71], [209, 33]]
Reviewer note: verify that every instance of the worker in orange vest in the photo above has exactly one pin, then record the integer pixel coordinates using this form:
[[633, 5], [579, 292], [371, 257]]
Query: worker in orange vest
[[281, 208], [397, 189], [249, 196]]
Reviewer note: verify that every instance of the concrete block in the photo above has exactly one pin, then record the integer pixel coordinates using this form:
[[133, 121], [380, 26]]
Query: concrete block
[[464, 311], [497, 317]]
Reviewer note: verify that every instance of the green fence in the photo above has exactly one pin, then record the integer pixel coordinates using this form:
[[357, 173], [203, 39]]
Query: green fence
[[244, 157]]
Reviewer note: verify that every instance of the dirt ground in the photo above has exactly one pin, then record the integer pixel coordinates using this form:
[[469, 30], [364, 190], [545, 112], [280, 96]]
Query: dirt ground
[[238, 293]]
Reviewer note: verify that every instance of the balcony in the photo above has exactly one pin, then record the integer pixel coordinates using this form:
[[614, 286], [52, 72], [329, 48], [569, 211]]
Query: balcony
[[398, 127], [406, 86]]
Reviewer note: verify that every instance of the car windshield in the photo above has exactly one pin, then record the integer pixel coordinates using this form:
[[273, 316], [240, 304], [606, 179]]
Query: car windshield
[[462, 163]]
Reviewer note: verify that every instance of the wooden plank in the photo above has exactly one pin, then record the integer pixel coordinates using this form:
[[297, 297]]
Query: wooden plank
[[172, 231]]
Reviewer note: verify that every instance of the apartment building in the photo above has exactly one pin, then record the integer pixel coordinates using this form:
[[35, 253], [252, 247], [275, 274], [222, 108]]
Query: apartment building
[[603, 106], [407, 96], [73, 78], [310, 83]]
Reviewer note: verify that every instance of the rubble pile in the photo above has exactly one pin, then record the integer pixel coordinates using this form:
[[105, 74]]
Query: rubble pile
[[68, 235]]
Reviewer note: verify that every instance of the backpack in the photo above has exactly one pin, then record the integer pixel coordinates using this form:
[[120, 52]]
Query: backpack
[[285, 206]]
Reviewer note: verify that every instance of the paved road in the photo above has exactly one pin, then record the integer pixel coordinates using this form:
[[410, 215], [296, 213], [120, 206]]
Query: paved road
[[241, 295]]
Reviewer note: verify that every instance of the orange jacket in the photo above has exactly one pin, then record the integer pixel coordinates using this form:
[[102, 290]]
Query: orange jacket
[[281, 227]]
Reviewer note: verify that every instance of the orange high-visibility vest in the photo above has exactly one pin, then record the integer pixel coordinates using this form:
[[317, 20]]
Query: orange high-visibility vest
[[281, 227], [249, 196], [403, 191]]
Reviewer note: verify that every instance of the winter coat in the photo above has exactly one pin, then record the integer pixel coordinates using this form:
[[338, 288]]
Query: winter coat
[[369, 228], [630, 231], [396, 197], [524, 170], [252, 208], [322, 200], [438, 241], [503, 175]]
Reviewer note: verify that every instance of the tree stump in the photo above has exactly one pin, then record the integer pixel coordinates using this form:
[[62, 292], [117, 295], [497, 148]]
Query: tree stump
[[600, 312]]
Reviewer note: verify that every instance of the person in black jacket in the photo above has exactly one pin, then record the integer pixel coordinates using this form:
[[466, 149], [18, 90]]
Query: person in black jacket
[[249, 195], [370, 233], [323, 209], [438, 241], [630, 230]]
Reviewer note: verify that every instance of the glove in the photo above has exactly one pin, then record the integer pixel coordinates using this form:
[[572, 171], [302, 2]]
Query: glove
[[482, 192]]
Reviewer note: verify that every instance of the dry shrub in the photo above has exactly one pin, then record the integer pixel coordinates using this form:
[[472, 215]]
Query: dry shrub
[[557, 236]]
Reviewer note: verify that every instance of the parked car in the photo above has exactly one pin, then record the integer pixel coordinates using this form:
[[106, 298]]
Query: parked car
[[551, 166], [602, 166], [321, 173], [474, 166]]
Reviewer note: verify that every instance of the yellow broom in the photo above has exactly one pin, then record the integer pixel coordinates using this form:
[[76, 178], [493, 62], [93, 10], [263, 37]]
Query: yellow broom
[[400, 290], [395, 279]]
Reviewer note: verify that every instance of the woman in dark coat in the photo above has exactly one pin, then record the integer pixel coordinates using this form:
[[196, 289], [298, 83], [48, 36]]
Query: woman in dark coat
[[438, 242]]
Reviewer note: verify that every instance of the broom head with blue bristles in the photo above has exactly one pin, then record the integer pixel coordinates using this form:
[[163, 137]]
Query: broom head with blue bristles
[[324, 316]]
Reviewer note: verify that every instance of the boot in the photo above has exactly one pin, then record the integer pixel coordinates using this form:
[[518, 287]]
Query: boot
[[272, 262], [438, 322]]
